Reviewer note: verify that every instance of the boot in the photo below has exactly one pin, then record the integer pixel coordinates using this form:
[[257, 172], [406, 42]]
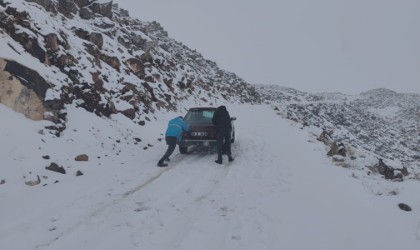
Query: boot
[[219, 161], [231, 158], [162, 164]]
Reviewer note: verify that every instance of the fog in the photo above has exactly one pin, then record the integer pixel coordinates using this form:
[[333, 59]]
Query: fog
[[316, 46]]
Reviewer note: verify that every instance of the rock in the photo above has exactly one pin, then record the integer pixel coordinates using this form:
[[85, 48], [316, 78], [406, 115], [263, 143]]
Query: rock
[[28, 77], [81, 3], [404, 171], [124, 13], [46, 157], [79, 173], [33, 183], [337, 150], [22, 89], [130, 113], [51, 42], [66, 60], [29, 42], [67, 7], [112, 61], [82, 157], [404, 207], [341, 150], [96, 77], [104, 9], [338, 158], [54, 167], [48, 5], [97, 39], [135, 65], [388, 172], [94, 37], [2, 182], [85, 13]]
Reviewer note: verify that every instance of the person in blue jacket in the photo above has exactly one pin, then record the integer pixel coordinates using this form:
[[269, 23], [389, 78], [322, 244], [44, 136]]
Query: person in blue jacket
[[173, 135]]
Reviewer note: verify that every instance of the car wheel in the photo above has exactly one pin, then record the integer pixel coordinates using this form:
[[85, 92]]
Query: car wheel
[[183, 150]]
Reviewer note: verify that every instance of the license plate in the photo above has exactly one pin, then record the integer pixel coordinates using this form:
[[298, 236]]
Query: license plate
[[199, 133]]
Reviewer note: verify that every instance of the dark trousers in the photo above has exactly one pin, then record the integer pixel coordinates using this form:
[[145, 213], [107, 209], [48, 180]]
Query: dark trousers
[[171, 142], [223, 143]]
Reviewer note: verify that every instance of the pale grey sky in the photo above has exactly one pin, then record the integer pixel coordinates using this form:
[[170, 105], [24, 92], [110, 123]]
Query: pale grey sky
[[312, 45]]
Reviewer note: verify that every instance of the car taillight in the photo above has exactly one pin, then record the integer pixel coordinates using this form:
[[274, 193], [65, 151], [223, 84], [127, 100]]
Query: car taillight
[[213, 135], [184, 135]]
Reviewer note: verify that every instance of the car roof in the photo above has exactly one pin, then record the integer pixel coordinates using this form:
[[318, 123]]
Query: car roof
[[202, 108]]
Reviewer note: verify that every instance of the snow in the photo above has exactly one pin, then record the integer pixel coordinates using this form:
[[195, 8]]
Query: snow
[[103, 1], [281, 192]]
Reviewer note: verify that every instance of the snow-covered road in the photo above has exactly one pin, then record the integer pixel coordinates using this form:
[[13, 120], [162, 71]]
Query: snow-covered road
[[281, 192]]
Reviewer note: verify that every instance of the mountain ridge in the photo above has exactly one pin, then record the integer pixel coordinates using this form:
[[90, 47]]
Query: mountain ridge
[[380, 120]]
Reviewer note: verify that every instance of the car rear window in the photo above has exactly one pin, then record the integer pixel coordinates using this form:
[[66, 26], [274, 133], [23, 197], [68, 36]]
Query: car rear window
[[199, 116]]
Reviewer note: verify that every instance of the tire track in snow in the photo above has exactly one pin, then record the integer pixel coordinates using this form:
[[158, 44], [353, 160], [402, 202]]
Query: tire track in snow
[[187, 211], [175, 161], [186, 160]]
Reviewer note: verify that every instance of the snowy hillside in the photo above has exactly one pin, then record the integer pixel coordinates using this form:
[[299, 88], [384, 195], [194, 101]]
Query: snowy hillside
[[380, 121], [92, 54], [281, 192]]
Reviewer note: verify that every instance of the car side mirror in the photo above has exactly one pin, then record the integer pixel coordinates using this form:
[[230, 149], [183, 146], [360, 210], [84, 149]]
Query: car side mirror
[[233, 118]]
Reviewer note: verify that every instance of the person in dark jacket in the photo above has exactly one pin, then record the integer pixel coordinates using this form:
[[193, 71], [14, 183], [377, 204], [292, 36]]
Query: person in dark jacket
[[222, 122], [173, 135]]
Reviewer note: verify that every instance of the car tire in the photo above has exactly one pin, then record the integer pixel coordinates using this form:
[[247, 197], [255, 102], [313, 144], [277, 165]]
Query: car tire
[[183, 150]]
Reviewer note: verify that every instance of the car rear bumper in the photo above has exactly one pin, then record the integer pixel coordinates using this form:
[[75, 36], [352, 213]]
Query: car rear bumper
[[186, 143]]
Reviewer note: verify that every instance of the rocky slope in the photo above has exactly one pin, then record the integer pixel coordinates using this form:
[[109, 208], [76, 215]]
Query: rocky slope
[[92, 54], [380, 121]]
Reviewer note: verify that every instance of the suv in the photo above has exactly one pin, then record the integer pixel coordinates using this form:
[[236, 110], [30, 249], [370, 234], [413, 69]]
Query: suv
[[202, 131]]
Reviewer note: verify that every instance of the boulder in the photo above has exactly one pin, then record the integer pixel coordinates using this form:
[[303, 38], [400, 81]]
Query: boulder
[[49, 5], [54, 167], [27, 77], [135, 65], [325, 137], [130, 113], [86, 13], [23, 93], [97, 39], [52, 42], [82, 3], [33, 182], [339, 149], [389, 172], [124, 13], [404, 207], [67, 7], [82, 157], [338, 158], [103, 8], [94, 37]]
